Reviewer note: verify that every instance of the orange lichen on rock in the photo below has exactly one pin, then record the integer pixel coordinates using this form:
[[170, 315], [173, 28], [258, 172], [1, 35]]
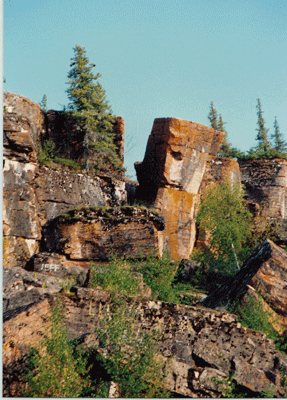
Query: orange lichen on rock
[[177, 208], [171, 174]]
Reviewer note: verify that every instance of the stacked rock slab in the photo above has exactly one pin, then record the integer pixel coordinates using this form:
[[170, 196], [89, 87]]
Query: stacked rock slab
[[170, 176], [265, 270], [266, 186], [32, 193]]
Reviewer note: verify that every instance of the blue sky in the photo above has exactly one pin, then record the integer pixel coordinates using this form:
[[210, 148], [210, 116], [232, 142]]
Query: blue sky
[[157, 58]]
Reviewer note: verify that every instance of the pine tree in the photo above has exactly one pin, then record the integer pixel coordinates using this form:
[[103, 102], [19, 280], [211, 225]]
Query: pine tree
[[262, 131], [225, 148], [213, 117], [89, 107], [43, 103], [280, 144]]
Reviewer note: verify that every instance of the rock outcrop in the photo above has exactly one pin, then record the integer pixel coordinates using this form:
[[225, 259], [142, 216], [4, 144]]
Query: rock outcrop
[[266, 186], [56, 220], [265, 270], [34, 194], [95, 233], [170, 176], [203, 347]]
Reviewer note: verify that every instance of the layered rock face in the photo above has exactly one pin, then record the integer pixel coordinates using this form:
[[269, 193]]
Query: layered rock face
[[266, 186], [94, 233], [202, 347], [61, 131], [34, 194], [170, 176]]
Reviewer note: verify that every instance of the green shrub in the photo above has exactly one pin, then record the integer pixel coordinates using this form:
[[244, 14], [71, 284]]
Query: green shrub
[[65, 161], [118, 276], [130, 356], [158, 274], [52, 369], [223, 215], [229, 388]]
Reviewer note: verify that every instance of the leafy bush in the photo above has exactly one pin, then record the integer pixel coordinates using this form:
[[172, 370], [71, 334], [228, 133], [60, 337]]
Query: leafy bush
[[130, 356], [158, 274], [52, 368], [66, 161], [48, 154], [223, 215], [118, 276]]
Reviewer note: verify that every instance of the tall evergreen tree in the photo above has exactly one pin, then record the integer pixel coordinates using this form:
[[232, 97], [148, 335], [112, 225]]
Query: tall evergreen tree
[[216, 121], [89, 107], [280, 144], [225, 148], [43, 103], [262, 131], [213, 116]]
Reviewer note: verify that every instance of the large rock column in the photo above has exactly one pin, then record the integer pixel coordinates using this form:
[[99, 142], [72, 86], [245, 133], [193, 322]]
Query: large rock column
[[170, 176]]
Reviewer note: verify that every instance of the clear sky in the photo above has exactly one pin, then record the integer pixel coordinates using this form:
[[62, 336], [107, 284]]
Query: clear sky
[[157, 58]]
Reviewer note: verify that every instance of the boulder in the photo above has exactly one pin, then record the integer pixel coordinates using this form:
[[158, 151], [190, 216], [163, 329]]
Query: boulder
[[218, 169], [21, 288], [34, 194], [96, 233], [53, 264], [265, 270], [29, 119]]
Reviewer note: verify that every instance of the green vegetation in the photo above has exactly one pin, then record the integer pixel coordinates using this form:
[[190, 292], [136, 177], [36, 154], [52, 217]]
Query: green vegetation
[[92, 113], [118, 276], [47, 156], [262, 132], [131, 356], [127, 277], [55, 368], [229, 389], [224, 218], [158, 274], [253, 315], [216, 122], [43, 103], [62, 368]]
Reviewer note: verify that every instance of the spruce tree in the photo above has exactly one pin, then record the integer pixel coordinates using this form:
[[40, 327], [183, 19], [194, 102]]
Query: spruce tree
[[216, 121], [280, 144], [213, 116], [262, 131], [43, 103], [91, 111], [225, 148]]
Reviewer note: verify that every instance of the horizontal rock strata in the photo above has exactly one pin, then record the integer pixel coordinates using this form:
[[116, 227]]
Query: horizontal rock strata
[[96, 233]]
